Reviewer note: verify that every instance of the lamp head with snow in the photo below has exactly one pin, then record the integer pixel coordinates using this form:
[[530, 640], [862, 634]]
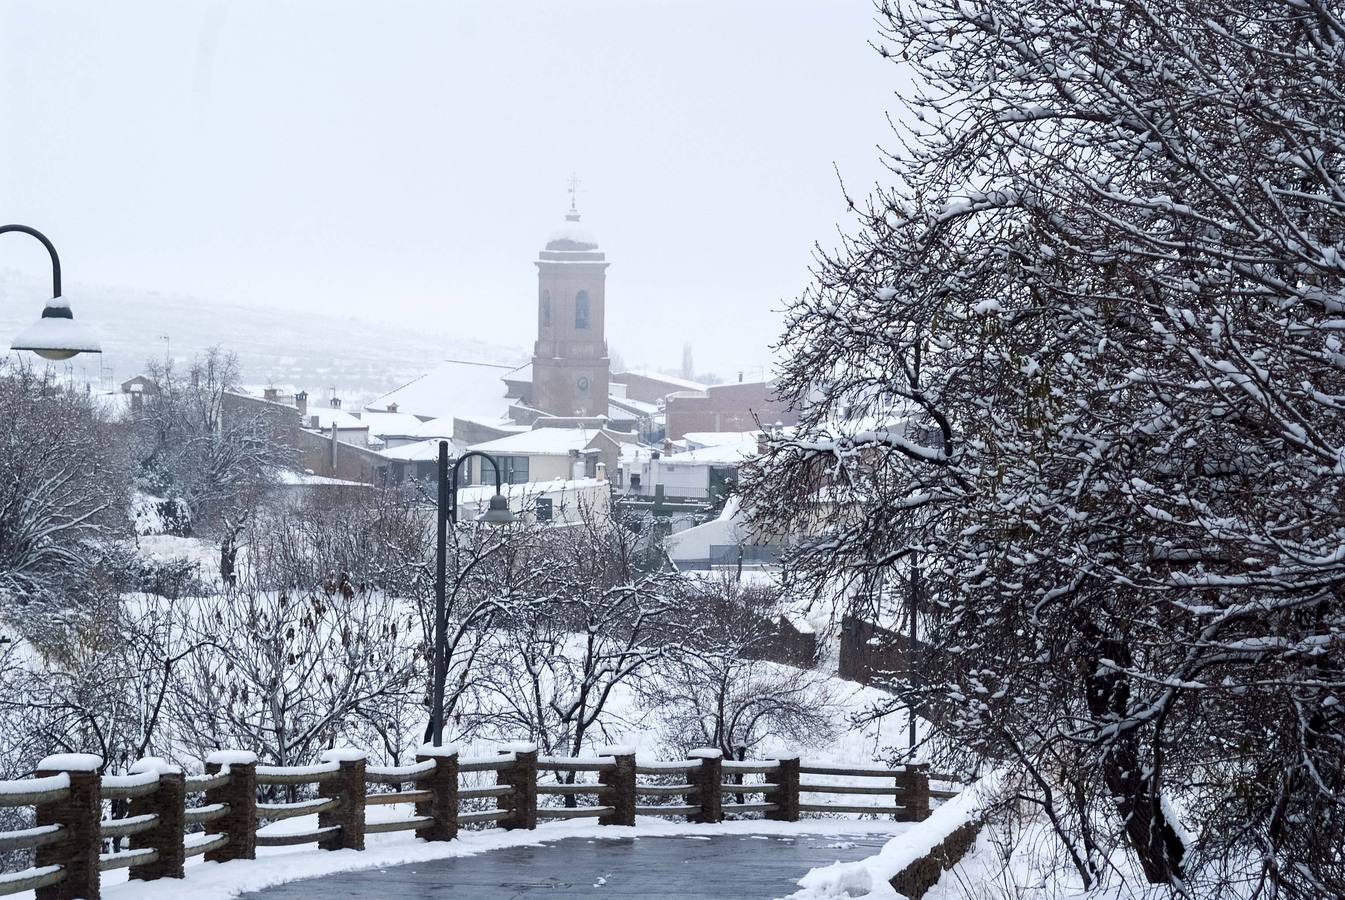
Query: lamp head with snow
[[498, 512], [57, 335]]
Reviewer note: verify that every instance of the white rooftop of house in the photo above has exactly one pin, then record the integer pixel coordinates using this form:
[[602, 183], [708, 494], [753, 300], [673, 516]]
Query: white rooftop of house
[[523, 374], [467, 390], [620, 407], [698, 439], [685, 384], [432, 428], [481, 493], [327, 417], [725, 455], [539, 442], [389, 424], [421, 451]]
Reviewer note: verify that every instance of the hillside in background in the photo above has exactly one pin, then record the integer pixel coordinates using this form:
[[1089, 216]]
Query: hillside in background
[[360, 358]]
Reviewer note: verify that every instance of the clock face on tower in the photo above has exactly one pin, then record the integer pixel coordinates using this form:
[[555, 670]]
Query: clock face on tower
[[582, 383]]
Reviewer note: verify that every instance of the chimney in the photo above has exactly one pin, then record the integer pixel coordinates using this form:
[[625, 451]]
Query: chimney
[[301, 404], [601, 473], [336, 403], [740, 377], [392, 407], [270, 394]]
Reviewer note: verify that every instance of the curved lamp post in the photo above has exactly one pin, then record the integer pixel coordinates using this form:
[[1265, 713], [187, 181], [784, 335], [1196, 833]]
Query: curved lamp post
[[496, 514], [56, 335]]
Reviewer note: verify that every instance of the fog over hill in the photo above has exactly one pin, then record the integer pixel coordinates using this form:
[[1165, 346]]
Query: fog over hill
[[360, 357]]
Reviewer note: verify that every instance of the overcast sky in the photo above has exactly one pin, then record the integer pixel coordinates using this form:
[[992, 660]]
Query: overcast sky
[[399, 159]]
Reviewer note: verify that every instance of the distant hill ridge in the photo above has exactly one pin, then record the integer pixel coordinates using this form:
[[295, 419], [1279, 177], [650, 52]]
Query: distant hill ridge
[[358, 357]]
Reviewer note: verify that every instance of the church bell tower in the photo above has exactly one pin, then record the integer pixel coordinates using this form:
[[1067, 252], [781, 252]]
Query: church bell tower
[[570, 368]]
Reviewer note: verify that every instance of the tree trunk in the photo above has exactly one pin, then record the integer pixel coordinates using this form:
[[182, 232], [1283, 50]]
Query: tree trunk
[[1136, 795]]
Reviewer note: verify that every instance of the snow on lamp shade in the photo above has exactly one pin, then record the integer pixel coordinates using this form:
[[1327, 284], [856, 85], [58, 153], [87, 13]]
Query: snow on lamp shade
[[57, 335]]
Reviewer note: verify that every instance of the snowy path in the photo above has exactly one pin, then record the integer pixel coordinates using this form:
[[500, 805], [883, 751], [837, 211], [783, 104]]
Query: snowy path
[[689, 867]]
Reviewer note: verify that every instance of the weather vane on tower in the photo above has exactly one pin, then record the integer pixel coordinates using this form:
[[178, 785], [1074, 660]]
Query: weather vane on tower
[[574, 196]]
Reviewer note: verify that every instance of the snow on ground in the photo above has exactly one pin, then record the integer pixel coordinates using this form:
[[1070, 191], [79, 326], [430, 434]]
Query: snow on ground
[[276, 865], [1024, 862]]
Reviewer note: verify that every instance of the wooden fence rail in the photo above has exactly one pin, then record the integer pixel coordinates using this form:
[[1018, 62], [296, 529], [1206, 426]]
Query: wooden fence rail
[[72, 842]]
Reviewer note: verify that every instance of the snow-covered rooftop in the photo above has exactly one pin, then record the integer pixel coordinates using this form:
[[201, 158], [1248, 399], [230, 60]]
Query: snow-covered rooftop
[[432, 428], [672, 380], [327, 417], [695, 440], [481, 493], [420, 451], [386, 424], [467, 390], [728, 455], [522, 374], [539, 442]]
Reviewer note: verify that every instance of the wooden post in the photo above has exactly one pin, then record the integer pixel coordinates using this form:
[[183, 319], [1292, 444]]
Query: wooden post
[[167, 837], [618, 786], [348, 788], [786, 793], [79, 815], [913, 793], [522, 777], [240, 795], [442, 783], [707, 780]]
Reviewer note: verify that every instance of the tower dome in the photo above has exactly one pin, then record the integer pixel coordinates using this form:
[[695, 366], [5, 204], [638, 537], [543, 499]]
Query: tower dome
[[571, 237]]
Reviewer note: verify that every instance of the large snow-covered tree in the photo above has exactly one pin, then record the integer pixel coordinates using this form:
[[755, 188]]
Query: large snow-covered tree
[[63, 489], [1083, 364]]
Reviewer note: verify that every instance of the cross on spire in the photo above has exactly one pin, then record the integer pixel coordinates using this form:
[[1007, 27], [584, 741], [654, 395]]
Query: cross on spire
[[574, 183]]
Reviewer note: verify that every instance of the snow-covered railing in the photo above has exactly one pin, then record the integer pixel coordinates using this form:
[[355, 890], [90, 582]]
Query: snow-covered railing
[[72, 842]]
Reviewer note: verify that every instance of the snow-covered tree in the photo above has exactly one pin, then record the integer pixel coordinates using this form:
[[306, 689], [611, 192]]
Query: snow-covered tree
[[194, 445], [1084, 361], [594, 623], [717, 689], [63, 490]]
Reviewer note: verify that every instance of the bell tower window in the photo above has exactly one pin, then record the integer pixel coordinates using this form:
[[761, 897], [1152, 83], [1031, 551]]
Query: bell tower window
[[581, 310]]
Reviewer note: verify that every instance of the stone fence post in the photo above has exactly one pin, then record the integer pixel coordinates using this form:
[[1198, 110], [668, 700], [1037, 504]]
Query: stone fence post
[[913, 793], [618, 786], [522, 777], [348, 788], [240, 796], [786, 793], [168, 836], [707, 781], [442, 783], [79, 815]]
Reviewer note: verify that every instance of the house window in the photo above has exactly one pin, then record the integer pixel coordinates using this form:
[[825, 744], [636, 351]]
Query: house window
[[581, 310], [546, 309], [513, 469]]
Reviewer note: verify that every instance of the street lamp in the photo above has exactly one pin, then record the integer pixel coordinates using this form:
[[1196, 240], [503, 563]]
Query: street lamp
[[56, 335], [496, 514]]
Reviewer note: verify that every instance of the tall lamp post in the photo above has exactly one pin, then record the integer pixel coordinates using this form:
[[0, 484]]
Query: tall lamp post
[[56, 335], [496, 514]]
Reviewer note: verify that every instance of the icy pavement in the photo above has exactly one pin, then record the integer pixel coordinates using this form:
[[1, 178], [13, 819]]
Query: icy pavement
[[651, 867]]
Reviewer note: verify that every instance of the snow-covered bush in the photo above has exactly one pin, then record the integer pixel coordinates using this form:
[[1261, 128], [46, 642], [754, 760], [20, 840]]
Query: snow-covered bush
[[1083, 366]]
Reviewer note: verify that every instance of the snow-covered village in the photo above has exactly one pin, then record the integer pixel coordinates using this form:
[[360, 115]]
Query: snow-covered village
[[693, 450]]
